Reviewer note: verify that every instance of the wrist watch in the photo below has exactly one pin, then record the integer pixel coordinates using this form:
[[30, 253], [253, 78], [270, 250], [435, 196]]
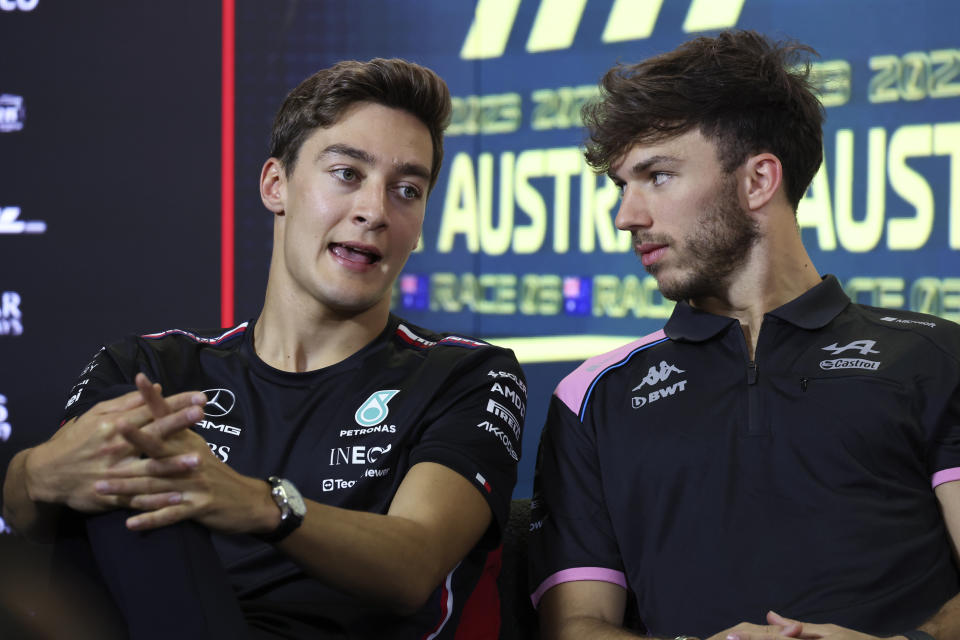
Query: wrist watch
[[292, 508]]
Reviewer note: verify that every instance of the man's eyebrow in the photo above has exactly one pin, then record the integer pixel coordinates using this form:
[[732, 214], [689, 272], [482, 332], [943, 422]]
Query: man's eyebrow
[[413, 169], [347, 150], [404, 168], [646, 163]]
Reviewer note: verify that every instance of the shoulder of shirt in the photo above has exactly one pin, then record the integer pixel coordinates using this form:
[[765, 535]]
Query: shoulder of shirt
[[425, 340], [221, 337], [574, 389], [941, 334]]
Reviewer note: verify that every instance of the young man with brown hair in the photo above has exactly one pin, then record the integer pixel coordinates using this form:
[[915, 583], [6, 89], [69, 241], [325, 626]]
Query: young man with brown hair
[[333, 460], [775, 450]]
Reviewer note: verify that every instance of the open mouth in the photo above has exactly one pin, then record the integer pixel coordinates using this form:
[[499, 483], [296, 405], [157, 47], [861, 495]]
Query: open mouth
[[359, 254]]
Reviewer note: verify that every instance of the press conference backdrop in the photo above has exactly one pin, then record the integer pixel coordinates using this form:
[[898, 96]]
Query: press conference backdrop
[[111, 210]]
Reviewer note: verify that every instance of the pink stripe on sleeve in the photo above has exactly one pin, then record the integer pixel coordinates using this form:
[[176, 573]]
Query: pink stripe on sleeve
[[579, 573], [572, 388], [947, 475]]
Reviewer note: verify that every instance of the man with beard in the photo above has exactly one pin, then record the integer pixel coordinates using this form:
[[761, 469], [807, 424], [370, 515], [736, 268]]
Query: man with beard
[[776, 461]]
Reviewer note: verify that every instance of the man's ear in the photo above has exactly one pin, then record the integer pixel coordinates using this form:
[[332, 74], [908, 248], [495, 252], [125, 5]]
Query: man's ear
[[273, 186], [762, 179]]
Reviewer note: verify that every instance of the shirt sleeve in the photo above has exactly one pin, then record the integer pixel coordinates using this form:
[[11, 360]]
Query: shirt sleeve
[[475, 427], [109, 375], [571, 536], [940, 398]]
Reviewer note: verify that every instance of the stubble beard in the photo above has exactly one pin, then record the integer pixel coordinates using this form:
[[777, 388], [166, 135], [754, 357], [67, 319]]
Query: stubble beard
[[713, 252]]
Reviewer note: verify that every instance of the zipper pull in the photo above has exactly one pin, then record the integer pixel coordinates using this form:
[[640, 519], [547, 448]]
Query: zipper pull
[[752, 371], [803, 384]]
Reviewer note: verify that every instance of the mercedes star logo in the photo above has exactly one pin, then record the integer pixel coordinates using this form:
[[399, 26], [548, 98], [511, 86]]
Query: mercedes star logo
[[220, 402]]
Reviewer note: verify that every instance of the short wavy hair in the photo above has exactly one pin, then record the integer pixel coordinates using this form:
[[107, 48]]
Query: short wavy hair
[[740, 89], [321, 100]]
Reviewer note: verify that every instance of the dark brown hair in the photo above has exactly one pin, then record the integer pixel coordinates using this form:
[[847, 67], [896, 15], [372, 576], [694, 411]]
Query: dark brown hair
[[743, 91], [321, 99]]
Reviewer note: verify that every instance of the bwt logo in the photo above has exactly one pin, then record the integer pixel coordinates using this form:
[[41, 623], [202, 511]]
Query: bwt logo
[[556, 23], [10, 224], [18, 5], [5, 428], [12, 113], [10, 317]]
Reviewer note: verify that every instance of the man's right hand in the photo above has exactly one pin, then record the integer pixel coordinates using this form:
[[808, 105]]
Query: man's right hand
[[91, 448]]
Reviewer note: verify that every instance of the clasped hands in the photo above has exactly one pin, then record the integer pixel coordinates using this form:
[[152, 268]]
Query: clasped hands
[[138, 451], [779, 627]]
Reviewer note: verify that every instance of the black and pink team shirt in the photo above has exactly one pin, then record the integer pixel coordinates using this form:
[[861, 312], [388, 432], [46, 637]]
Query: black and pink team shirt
[[715, 487]]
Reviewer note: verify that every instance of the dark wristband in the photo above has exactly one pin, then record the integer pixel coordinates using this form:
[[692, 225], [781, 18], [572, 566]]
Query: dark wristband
[[916, 634]]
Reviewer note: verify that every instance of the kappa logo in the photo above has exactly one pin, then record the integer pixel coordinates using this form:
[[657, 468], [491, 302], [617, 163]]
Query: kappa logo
[[865, 347], [220, 402], [557, 21], [656, 376], [374, 410]]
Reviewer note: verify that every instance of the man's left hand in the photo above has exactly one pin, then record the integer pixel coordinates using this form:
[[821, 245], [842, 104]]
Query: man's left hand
[[209, 492]]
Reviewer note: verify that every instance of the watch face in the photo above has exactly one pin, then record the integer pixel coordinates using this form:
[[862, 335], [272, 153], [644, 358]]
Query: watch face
[[293, 498]]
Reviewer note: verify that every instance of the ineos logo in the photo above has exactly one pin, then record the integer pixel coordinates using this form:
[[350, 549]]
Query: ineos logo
[[220, 402]]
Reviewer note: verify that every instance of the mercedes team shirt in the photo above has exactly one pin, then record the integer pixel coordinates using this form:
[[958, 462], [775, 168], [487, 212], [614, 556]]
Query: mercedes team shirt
[[716, 488], [345, 435]]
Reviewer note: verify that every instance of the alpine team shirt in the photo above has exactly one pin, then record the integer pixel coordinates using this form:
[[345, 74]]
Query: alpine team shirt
[[716, 488], [345, 435]]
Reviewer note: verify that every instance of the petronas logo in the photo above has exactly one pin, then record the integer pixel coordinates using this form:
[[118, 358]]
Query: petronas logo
[[374, 410]]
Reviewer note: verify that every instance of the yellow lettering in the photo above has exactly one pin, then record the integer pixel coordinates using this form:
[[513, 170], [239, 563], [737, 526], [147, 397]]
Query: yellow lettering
[[946, 142], [814, 210], [937, 297], [596, 205], [529, 238], [876, 292], [860, 236], [904, 234], [443, 292], [459, 207], [562, 165], [495, 239], [541, 294]]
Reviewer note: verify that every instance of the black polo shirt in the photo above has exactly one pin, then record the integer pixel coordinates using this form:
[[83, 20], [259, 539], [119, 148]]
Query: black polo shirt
[[717, 488]]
